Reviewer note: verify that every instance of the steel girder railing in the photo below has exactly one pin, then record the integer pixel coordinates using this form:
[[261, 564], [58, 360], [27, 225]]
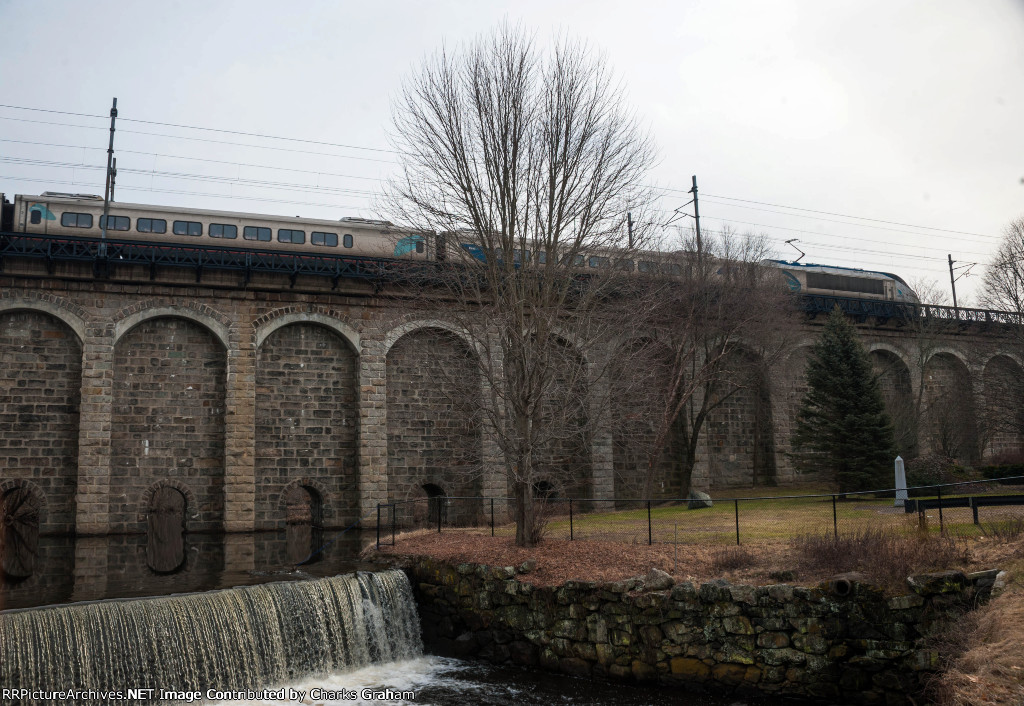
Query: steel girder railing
[[64, 248]]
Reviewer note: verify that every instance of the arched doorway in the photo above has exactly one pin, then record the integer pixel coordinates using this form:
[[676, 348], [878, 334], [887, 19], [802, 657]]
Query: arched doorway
[[165, 530], [303, 523], [437, 504]]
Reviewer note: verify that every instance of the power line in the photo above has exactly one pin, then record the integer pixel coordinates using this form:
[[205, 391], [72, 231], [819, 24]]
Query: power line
[[198, 159], [210, 129]]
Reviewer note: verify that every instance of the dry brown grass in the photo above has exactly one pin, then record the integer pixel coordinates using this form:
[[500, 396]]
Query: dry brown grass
[[989, 669], [589, 560]]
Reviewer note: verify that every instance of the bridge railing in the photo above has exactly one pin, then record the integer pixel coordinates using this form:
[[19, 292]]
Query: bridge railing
[[200, 257]]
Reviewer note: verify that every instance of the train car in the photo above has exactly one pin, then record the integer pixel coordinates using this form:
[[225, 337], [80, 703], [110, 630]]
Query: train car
[[82, 215], [807, 278]]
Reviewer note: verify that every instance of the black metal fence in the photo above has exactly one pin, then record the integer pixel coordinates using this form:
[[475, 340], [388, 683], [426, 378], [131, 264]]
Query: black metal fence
[[967, 508]]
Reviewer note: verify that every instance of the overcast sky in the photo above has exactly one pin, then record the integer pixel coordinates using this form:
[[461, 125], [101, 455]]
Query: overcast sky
[[908, 113]]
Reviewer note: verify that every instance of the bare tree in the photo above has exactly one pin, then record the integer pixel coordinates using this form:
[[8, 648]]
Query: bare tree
[[718, 324], [1004, 279], [525, 164]]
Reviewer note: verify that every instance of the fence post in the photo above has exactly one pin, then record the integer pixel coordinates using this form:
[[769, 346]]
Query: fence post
[[492, 517], [835, 522], [942, 528], [650, 532], [570, 519], [736, 501], [378, 525]]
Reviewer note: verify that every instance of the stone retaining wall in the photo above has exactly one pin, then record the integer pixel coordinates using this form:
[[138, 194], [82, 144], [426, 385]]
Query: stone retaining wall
[[842, 641]]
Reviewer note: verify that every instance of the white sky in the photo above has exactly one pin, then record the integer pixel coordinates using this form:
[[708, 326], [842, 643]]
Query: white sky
[[909, 112]]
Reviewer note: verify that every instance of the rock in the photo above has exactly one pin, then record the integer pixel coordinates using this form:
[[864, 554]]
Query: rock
[[658, 580], [999, 585], [939, 582], [698, 500], [784, 576], [528, 566]]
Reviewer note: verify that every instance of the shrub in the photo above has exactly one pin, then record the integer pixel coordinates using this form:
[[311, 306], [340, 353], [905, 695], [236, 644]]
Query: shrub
[[732, 559], [886, 557]]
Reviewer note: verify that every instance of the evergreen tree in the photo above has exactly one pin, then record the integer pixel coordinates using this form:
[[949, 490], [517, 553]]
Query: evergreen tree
[[842, 426]]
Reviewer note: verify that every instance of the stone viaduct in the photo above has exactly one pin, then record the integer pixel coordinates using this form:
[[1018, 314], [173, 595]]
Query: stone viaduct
[[248, 399]]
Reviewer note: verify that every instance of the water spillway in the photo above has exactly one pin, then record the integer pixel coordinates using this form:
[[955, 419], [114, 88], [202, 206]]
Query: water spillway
[[235, 639]]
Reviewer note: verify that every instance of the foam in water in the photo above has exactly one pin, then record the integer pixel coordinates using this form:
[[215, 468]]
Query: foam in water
[[240, 638]]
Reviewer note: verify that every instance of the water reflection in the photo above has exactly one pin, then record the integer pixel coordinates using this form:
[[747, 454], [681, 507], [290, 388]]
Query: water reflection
[[61, 569]]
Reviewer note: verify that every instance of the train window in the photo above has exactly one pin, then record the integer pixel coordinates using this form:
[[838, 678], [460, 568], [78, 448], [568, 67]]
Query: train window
[[575, 260], [76, 220], [420, 246], [542, 258], [625, 264], [596, 261], [286, 235], [255, 233], [117, 223], [329, 240], [36, 217], [151, 225], [647, 266], [844, 283], [346, 240], [671, 268], [221, 230], [187, 228]]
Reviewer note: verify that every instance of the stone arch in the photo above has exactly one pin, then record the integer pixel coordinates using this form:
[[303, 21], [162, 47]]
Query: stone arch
[[183, 488], [23, 483], [1003, 409], [347, 333], [895, 351], [73, 318], [639, 379], [307, 418], [948, 408], [433, 398], [323, 496], [789, 387], [740, 428], [168, 415], [41, 377], [895, 382], [128, 319], [392, 337]]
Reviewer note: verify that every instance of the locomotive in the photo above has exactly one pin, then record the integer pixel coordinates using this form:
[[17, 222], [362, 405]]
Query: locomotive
[[53, 213]]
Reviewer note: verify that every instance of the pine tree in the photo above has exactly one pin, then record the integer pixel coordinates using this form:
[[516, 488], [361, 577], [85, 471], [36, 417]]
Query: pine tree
[[842, 427]]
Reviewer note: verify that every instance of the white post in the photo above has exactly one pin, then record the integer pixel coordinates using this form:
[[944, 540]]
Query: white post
[[901, 483]]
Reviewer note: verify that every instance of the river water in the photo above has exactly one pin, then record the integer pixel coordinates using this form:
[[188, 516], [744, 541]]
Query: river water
[[441, 681]]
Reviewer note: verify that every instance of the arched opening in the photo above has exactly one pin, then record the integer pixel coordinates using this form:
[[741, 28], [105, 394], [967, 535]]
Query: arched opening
[[740, 426], [433, 418], [165, 530], [41, 376], [1003, 410], [306, 427], [544, 490], [949, 409], [894, 382], [19, 533], [303, 523], [437, 504], [168, 420]]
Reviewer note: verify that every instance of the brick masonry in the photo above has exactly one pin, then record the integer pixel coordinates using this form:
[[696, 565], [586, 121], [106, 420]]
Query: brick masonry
[[111, 389], [306, 423]]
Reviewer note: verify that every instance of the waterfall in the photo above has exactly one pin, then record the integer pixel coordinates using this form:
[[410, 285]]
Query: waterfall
[[240, 638]]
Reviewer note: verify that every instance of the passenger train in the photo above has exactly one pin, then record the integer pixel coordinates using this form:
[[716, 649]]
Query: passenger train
[[54, 213]]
